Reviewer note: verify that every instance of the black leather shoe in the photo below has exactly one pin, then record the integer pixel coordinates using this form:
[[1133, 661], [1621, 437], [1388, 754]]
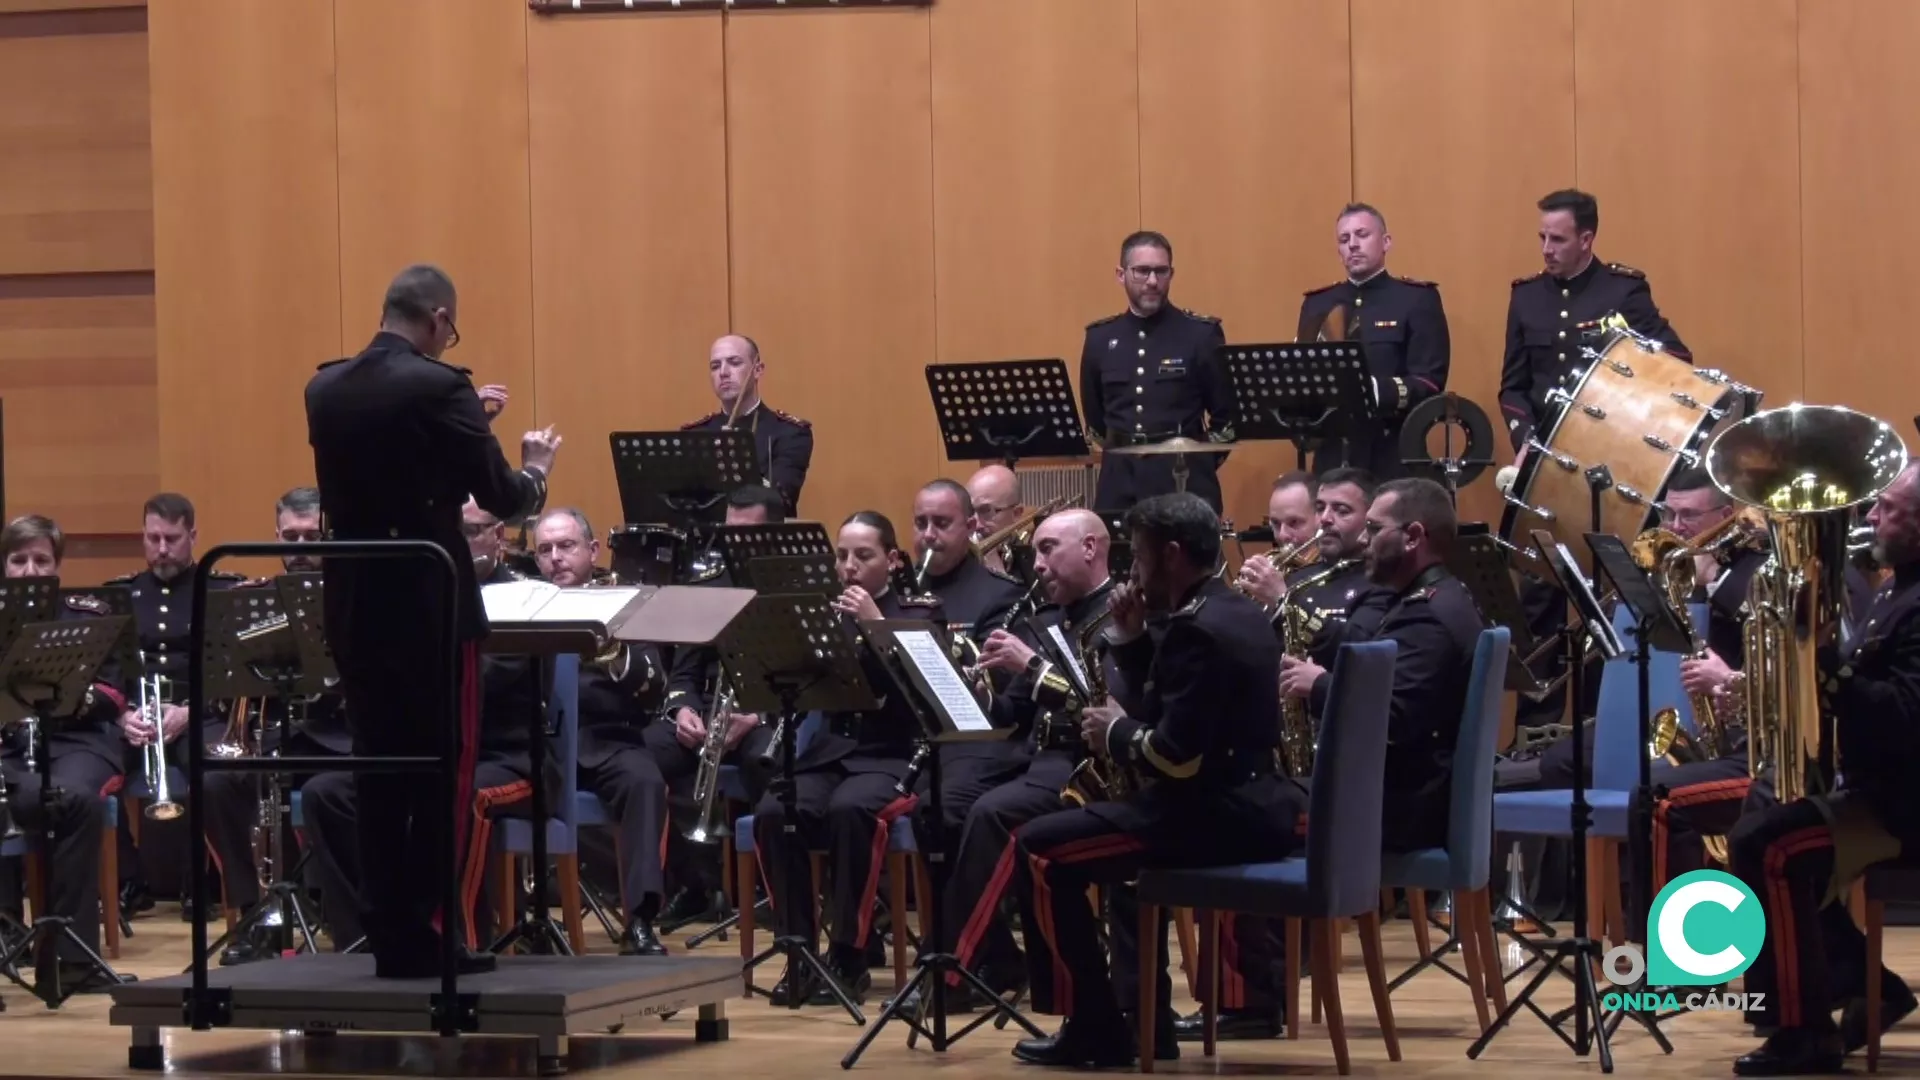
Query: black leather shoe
[[784, 991], [687, 905], [856, 982], [1794, 1052], [1231, 1024], [640, 940], [241, 952], [1853, 1021], [1081, 1046], [426, 965], [135, 898]]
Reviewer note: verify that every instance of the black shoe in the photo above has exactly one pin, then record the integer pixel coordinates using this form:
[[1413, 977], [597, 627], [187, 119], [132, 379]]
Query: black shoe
[[1794, 1052], [784, 993], [1853, 1020], [1230, 1024], [426, 965], [1081, 1045], [855, 981], [242, 952], [640, 940], [687, 905], [135, 898]]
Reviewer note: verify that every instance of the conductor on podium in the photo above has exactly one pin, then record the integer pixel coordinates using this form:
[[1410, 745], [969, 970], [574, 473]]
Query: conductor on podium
[[1149, 374], [400, 440]]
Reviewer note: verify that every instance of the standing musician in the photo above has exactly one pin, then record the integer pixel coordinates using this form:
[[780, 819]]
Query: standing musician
[[1200, 743], [1403, 327], [1152, 373], [848, 784], [782, 442], [1801, 858], [995, 491], [1410, 529], [400, 441], [234, 798], [163, 618], [85, 763]]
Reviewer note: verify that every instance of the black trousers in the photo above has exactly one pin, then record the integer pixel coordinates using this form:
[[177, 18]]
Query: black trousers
[[983, 865], [1059, 856], [72, 879], [967, 773], [233, 808], [1814, 957], [846, 814], [628, 780], [690, 865]]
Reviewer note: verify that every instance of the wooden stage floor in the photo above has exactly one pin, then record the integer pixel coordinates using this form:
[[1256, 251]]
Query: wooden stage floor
[[1434, 1015]]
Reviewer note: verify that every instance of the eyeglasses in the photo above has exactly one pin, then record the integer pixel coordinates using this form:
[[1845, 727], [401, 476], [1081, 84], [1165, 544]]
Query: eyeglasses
[[472, 530], [453, 332], [1148, 273], [1375, 528]]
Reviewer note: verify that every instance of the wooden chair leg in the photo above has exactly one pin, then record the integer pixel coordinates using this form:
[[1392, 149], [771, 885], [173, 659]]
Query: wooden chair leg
[[1326, 989], [1150, 961], [506, 898], [1377, 978], [1210, 978], [1417, 911], [1340, 944], [569, 867], [1292, 960], [1596, 888], [110, 891], [743, 876], [897, 912], [1496, 972], [1183, 928], [923, 901], [1466, 927], [36, 886], [817, 863], [1874, 916]]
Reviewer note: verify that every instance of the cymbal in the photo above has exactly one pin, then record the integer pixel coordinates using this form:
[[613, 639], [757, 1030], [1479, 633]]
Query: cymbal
[[1178, 445]]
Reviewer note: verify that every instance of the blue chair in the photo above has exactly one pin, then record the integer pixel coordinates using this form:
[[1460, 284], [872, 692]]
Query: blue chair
[[1617, 752], [1461, 867], [512, 837], [1338, 878]]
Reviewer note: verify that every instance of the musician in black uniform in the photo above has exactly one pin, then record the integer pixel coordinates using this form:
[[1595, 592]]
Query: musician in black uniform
[[1201, 734], [1152, 373], [1402, 326], [162, 596], [1801, 858], [85, 759], [1547, 318], [849, 782], [1410, 529], [782, 442], [400, 441], [314, 726]]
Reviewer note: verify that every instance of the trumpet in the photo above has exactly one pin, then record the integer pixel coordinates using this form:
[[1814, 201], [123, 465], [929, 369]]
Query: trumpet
[[153, 756], [1019, 532], [707, 825], [1285, 561]]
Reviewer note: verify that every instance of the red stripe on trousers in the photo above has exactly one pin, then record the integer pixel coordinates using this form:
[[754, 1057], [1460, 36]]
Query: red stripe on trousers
[[1785, 960], [485, 801], [1687, 795], [1043, 913], [985, 910], [884, 825], [469, 751]]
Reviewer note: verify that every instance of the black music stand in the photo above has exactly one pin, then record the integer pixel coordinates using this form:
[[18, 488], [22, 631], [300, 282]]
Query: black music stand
[[677, 482], [1479, 560], [47, 670], [1583, 954], [1302, 392], [1005, 410], [791, 557], [1451, 413], [789, 655], [255, 649]]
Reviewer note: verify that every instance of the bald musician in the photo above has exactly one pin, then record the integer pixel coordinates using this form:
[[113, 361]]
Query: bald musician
[[995, 491], [782, 442]]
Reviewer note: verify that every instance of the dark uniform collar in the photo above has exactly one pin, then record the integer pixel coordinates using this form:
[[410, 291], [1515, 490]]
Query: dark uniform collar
[[392, 342], [1078, 610], [1906, 574], [1148, 322], [961, 570], [1582, 279], [1432, 575], [1377, 279]]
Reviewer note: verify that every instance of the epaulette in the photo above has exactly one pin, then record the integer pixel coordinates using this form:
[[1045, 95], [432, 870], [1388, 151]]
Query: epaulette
[[1422, 594], [1519, 281], [1417, 281], [1004, 576], [1626, 271], [707, 419], [789, 418], [1103, 322], [1324, 288], [123, 579], [92, 605], [1192, 608], [1197, 315], [331, 363], [465, 373]]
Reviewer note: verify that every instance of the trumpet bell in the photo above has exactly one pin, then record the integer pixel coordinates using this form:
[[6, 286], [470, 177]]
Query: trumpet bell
[[1806, 459], [164, 811], [1669, 738]]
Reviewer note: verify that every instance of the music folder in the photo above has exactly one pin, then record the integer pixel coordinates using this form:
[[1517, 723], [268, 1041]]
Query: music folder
[[918, 656], [668, 615]]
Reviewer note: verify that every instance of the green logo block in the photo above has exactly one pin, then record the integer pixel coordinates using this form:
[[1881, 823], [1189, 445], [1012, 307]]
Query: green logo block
[[1706, 927]]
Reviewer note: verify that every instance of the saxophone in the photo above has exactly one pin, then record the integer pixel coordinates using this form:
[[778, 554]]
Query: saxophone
[[1097, 778], [1669, 559], [1298, 627]]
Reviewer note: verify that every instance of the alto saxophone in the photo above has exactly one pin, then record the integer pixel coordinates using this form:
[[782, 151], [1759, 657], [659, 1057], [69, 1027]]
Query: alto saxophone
[[707, 826], [1097, 778], [1670, 559], [1298, 626]]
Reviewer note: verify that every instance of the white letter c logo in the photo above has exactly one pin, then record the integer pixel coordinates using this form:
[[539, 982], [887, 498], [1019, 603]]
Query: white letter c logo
[[1673, 922]]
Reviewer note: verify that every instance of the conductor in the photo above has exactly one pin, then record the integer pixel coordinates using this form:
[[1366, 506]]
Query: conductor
[[400, 441]]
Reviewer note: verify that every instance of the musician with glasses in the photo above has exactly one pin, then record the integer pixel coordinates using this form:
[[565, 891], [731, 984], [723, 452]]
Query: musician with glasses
[[1149, 374], [84, 762], [995, 491], [782, 442], [1801, 858]]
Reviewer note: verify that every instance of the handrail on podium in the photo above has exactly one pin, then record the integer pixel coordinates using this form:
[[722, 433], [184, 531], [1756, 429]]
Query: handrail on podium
[[446, 1009]]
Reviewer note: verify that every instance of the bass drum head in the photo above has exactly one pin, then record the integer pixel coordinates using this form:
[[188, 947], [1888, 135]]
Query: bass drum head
[[647, 554]]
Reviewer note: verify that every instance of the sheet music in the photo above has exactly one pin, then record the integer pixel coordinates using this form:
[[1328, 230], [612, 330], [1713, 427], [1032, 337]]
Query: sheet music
[[516, 601], [1072, 657], [924, 650], [587, 605]]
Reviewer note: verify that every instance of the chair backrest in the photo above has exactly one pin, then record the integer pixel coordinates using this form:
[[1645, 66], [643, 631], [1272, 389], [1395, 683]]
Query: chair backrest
[[1470, 808], [1617, 748], [1349, 767]]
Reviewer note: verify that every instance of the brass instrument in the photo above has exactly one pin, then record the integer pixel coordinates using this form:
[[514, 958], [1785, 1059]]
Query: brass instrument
[[1334, 326], [1019, 532], [1298, 626], [1670, 559], [920, 572], [708, 824], [1803, 467], [1304, 553], [1097, 778], [153, 756]]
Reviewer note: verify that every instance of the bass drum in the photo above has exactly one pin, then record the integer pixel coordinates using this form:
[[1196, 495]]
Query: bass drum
[[648, 554], [1638, 410]]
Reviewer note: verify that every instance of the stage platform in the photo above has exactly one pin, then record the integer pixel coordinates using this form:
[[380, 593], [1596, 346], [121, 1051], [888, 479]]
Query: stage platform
[[546, 998]]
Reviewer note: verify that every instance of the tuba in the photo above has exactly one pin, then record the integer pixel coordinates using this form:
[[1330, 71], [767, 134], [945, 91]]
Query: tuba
[[1803, 468], [1669, 558]]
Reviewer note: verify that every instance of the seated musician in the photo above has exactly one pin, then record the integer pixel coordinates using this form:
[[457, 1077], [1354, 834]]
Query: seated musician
[[782, 442], [847, 785], [317, 727], [1801, 858], [995, 491], [1334, 585], [694, 869], [1201, 739], [84, 760], [1410, 529]]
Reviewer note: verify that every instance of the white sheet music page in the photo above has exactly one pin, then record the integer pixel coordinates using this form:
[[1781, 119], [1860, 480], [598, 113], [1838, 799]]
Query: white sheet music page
[[587, 605], [1072, 657], [924, 650], [516, 601]]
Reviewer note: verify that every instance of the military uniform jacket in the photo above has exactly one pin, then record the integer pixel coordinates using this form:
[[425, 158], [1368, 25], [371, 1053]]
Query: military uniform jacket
[[399, 444], [1872, 687], [163, 619], [1437, 626], [977, 599], [1402, 327], [782, 444], [1146, 378], [1545, 320], [95, 727], [1206, 717], [879, 740], [1335, 594], [1016, 706], [1727, 606]]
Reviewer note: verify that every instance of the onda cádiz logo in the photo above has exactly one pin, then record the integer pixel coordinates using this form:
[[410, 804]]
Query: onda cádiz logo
[[1705, 928]]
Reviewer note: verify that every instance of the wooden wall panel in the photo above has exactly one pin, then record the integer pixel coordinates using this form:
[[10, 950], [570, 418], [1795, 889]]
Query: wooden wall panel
[[1859, 166], [246, 249], [629, 236], [433, 168], [1688, 139], [1036, 173], [1243, 163], [76, 194], [830, 201], [1442, 95]]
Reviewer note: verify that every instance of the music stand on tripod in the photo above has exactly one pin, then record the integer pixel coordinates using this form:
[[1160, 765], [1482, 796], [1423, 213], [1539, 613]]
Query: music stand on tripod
[[47, 670], [673, 487], [1583, 953], [789, 655], [1006, 410], [1302, 392]]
